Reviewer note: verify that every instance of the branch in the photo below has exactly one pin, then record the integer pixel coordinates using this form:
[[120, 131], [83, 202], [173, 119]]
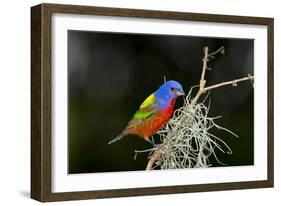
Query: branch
[[204, 68], [152, 159], [205, 60], [202, 89], [233, 82]]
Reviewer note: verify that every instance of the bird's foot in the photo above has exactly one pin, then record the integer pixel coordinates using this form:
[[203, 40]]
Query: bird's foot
[[153, 143], [150, 141]]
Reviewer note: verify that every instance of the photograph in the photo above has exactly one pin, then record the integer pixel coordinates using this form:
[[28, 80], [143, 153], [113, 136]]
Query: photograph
[[133, 102], [139, 101]]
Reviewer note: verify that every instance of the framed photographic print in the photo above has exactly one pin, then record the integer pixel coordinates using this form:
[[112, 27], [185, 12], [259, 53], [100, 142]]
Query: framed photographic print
[[132, 102]]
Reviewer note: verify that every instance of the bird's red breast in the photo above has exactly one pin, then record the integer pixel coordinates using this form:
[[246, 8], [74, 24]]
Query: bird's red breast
[[154, 123]]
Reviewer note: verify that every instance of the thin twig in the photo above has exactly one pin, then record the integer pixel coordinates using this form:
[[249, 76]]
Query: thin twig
[[220, 50], [233, 82]]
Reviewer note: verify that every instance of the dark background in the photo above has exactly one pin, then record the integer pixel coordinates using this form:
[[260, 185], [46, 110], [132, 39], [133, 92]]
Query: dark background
[[110, 74]]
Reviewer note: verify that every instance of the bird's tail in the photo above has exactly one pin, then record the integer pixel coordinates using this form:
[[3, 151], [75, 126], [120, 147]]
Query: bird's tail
[[120, 136]]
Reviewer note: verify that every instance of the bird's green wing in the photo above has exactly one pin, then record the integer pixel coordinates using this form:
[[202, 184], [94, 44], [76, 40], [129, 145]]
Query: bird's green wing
[[147, 108]]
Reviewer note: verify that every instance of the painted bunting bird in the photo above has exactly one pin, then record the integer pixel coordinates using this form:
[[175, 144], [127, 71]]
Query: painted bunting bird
[[154, 112]]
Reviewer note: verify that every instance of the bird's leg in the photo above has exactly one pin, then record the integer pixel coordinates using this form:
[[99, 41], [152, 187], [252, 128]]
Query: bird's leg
[[150, 141], [153, 143]]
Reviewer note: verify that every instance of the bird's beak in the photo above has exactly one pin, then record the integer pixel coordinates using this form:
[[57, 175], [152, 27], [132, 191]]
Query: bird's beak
[[179, 92]]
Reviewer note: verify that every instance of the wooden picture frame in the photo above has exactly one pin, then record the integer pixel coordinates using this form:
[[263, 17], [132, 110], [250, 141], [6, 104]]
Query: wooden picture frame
[[41, 116]]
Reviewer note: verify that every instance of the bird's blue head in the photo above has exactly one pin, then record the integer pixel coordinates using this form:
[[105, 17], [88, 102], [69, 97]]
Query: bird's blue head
[[168, 91]]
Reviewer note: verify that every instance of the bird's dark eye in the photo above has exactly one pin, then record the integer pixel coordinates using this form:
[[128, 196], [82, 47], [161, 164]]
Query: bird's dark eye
[[172, 88]]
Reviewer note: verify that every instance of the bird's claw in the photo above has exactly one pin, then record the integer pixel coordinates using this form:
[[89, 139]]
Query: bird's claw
[[150, 141]]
